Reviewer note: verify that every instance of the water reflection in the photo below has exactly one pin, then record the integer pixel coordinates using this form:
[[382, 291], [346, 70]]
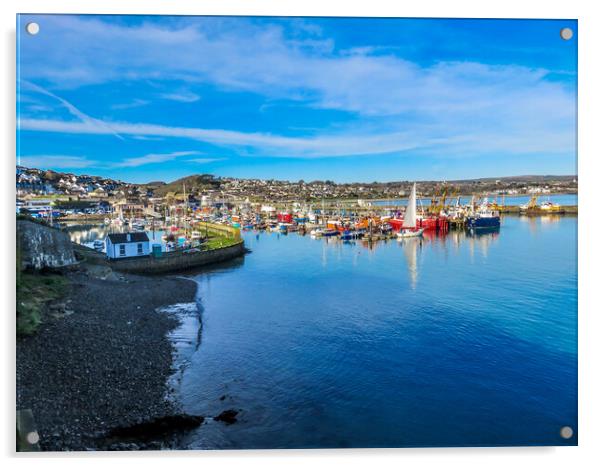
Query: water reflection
[[315, 341], [477, 243], [86, 234], [411, 246]]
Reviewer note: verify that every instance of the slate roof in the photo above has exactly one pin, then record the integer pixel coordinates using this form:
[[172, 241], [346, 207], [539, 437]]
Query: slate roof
[[117, 238]]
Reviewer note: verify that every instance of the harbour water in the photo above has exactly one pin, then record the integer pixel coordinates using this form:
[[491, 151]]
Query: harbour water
[[445, 341], [86, 234]]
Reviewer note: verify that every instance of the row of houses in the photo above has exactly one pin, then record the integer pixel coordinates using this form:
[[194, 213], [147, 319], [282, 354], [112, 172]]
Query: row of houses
[[48, 182]]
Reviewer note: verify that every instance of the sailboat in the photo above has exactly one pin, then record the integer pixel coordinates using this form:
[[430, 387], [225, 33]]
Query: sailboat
[[408, 228]]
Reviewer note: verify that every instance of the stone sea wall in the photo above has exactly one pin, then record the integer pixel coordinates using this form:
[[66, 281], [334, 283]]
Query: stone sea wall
[[177, 261]]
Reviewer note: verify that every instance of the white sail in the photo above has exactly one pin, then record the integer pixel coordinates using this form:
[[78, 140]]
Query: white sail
[[409, 219]]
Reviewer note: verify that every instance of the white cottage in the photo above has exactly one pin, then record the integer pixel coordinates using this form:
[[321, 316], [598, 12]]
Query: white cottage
[[122, 245]]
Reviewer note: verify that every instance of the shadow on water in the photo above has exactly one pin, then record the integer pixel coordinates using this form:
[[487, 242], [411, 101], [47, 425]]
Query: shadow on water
[[229, 265]]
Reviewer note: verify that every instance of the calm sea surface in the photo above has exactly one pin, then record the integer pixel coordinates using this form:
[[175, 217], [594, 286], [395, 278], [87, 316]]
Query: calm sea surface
[[453, 340]]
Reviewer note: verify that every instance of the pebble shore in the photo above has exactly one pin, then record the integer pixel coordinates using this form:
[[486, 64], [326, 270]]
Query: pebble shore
[[101, 360]]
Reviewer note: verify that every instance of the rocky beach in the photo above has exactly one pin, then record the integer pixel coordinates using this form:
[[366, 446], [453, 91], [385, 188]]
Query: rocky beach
[[95, 373]]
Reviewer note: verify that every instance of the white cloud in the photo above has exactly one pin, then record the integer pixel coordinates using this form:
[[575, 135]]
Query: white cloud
[[55, 161], [458, 108], [431, 138], [182, 96], [132, 104], [206, 160], [72, 109], [153, 158], [267, 143], [240, 55]]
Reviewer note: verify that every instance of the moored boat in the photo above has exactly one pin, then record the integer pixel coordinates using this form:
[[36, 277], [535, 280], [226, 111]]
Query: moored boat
[[348, 235], [549, 206], [408, 228], [483, 218], [482, 221], [330, 232]]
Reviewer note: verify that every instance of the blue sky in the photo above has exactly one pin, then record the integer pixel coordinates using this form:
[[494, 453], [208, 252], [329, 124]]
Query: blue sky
[[143, 98]]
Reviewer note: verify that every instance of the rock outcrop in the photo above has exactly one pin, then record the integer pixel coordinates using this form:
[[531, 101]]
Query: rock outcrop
[[42, 247], [227, 417]]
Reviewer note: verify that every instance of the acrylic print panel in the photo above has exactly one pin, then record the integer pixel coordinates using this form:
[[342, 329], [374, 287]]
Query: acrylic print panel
[[260, 232]]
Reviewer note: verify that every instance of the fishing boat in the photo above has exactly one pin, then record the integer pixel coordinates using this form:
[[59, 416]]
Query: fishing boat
[[330, 232], [529, 206], [285, 217], [483, 218], [301, 219], [286, 227], [348, 235], [317, 232], [549, 206], [408, 228], [386, 228]]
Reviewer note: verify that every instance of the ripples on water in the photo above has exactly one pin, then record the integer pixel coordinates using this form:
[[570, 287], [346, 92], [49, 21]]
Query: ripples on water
[[454, 340]]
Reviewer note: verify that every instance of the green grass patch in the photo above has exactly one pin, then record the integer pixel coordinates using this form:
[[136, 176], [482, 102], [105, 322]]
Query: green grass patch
[[34, 290], [217, 241]]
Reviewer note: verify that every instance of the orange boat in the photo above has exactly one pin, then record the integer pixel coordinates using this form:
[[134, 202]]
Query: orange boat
[[364, 224]]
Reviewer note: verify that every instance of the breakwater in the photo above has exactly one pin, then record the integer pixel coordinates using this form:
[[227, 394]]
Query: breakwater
[[175, 261], [561, 210], [178, 260]]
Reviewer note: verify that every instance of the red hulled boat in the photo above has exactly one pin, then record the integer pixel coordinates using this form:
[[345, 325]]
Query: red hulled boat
[[438, 223]]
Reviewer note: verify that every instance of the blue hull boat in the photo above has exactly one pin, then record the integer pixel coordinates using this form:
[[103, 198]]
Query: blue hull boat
[[350, 235], [482, 222]]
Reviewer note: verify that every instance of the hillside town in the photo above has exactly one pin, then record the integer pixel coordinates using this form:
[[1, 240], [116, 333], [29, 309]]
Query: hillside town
[[70, 194]]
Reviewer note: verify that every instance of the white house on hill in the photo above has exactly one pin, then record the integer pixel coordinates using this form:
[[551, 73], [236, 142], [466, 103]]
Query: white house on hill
[[121, 245]]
